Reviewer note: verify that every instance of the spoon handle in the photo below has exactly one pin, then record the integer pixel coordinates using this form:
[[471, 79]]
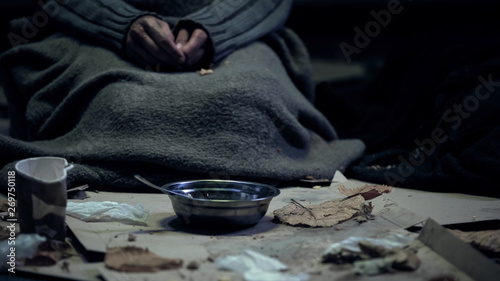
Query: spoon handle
[[143, 180]]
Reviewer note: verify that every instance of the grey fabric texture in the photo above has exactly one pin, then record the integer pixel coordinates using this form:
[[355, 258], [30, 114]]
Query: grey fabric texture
[[247, 120]]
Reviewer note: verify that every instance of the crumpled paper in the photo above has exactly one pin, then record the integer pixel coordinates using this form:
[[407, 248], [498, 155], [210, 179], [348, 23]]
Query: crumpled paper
[[107, 211], [258, 267], [372, 256], [351, 244]]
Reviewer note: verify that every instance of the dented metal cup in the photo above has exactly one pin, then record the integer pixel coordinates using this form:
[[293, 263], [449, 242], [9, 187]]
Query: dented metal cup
[[42, 196]]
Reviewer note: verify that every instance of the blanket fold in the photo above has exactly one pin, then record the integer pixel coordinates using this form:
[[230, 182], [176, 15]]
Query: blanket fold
[[112, 119]]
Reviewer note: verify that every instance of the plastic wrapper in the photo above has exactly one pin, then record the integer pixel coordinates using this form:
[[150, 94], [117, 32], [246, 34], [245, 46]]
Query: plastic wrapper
[[107, 211], [258, 267]]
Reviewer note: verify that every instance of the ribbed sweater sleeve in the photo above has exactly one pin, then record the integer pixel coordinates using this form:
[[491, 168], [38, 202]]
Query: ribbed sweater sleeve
[[105, 20], [235, 23]]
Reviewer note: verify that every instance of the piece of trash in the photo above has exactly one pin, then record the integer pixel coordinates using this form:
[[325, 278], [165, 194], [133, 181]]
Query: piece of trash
[[49, 253], [131, 237], [372, 256], [134, 259], [486, 241], [365, 213], [107, 211], [192, 265], [65, 267], [325, 214], [258, 267], [316, 187], [368, 191], [348, 250], [206, 71], [382, 260], [274, 276], [26, 247], [249, 260]]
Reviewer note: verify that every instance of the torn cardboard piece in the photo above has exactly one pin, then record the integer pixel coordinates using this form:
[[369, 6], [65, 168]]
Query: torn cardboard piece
[[458, 253], [487, 241], [326, 214], [49, 253], [368, 191], [135, 259]]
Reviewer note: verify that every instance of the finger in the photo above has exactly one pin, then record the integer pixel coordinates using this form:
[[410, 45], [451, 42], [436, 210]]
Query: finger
[[182, 38], [142, 37], [196, 41], [194, 48], [163, 36]]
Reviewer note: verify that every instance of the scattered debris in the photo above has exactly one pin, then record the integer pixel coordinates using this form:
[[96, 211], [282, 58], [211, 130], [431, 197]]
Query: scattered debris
[[131, 237], [382, 260], [65, 266], [49, 253], [206, 71], [325, 214], [226, 63], [316, 187], [368, 191], [193, 265], [257, 267], [374, 256], [134, 259], [365, 213], [487, 241], [348, 250]]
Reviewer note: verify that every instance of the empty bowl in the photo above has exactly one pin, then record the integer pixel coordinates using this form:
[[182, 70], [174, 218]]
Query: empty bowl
[[221, 203]]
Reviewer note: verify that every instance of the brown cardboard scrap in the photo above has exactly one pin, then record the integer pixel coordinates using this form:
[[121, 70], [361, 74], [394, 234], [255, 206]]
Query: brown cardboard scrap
[[487, 241], [368, 191], [135, 259], [325, 214], [49, 253]]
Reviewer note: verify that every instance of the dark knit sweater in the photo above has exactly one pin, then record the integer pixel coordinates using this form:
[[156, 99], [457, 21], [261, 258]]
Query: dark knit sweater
[[229, 23]]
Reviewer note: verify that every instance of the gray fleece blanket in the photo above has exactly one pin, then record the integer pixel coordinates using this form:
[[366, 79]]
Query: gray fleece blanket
[[251, 119]]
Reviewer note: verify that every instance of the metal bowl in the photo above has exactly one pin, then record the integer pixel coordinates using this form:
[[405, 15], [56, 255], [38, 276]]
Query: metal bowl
[[221, 203]]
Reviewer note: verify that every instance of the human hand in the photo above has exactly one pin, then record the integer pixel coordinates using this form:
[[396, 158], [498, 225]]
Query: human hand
[[194, 46], [150, 42]]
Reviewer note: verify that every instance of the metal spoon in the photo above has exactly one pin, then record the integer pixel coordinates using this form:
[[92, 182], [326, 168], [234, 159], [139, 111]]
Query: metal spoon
[[145, 181]]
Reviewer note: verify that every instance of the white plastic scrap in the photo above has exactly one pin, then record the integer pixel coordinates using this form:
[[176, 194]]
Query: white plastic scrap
[[392, 241], [107, 211], [258, 267], [26, 246], [256, 275]]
